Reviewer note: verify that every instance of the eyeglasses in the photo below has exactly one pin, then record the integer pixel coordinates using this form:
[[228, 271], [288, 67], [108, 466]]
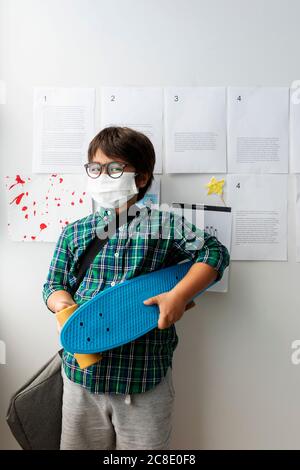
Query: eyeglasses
[[113, 169]]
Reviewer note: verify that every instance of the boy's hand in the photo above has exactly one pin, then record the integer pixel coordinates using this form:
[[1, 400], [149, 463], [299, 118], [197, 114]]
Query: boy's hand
[[171, 308]]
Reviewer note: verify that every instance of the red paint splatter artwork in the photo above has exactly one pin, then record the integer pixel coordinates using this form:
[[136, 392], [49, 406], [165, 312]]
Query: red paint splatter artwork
[[18, 199], [18, 181], [45, 203]]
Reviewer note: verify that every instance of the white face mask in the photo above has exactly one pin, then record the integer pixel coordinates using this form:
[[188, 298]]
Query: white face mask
[[110, 192]]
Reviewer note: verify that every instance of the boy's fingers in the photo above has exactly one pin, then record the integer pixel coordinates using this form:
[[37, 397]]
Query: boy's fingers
[[163, 323], [150, 301], [190, 305]]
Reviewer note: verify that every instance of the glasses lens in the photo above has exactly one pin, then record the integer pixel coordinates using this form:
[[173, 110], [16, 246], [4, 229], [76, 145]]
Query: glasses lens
[[115, 169], [93, 170]]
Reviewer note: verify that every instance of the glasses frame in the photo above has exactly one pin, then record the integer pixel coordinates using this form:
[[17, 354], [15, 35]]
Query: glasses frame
[[105, 165]]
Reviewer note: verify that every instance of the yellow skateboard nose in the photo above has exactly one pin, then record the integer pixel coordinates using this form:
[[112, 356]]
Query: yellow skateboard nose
[[84, 360]]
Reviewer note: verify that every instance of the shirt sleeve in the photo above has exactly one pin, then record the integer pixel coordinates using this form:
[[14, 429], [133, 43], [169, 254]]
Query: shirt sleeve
[[57, 278], [190, 242]]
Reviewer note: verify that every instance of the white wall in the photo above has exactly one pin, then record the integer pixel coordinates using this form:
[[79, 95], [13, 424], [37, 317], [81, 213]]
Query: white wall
[[236, 386]]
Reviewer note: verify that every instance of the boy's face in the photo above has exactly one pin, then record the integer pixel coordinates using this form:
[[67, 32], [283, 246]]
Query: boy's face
[[100, 157]]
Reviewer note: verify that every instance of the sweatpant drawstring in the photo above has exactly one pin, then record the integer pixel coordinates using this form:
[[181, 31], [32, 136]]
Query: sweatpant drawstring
[[128, 399]]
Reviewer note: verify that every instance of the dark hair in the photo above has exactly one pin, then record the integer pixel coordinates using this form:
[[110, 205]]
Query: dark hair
[[131, 146]]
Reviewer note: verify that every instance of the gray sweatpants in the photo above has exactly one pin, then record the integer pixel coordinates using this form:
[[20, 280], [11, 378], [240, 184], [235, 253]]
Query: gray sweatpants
[[110, 421]]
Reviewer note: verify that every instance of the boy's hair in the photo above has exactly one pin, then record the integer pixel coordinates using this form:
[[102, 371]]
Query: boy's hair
[[130, 145]]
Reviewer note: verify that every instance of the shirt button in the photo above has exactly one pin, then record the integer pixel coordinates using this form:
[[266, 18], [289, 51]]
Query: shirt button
[[109, 212], [105, 217], [116, 254], [112, 283]]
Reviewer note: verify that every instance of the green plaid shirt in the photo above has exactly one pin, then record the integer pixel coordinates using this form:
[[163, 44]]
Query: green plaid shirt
[[145, 244]]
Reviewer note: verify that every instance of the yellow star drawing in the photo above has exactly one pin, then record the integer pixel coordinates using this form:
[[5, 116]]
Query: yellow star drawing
[[216, 187]]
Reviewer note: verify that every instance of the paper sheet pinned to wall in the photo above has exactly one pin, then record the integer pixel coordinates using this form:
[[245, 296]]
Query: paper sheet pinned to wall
[[295, 128], [216, 221], [258, 129], [195, 129], [152, 196], [40, 206], [63, 121], [259, 205], [140, 108]]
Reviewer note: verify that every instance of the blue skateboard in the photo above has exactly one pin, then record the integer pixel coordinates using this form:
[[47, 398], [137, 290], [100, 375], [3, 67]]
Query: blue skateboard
[[117, 315]]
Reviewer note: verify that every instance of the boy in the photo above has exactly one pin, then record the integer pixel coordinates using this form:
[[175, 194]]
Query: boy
[[125, 401]]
